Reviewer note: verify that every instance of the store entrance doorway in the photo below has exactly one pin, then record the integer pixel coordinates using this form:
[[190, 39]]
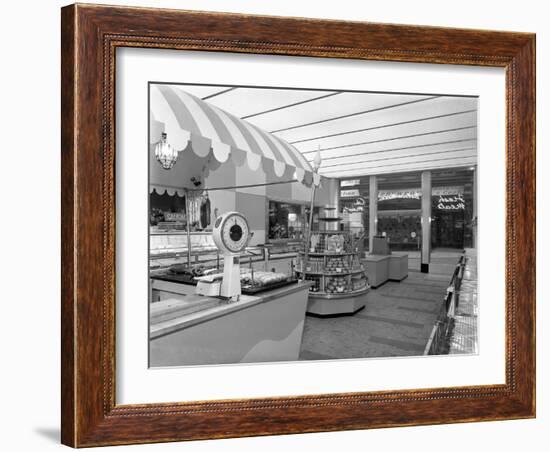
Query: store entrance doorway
[[448, 229]]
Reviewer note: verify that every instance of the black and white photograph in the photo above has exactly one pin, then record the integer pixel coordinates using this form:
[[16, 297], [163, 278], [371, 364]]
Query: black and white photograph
[[292, 224], [275, 226]]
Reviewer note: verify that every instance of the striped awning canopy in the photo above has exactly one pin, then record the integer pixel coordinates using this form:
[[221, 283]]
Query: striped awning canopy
[[211, 133]]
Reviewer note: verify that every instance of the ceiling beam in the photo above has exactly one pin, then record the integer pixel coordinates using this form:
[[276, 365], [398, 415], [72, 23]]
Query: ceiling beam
[[434, 132], [291, 105], [219, 93], [367, 129], [398, 149], [349, 115], [407, 156], [468, 160]]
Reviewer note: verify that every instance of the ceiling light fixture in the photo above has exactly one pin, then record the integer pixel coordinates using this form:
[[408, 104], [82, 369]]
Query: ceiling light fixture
[[165, 154]]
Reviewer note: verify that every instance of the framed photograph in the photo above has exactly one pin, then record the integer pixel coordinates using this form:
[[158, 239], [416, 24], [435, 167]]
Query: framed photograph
[[281, 225]]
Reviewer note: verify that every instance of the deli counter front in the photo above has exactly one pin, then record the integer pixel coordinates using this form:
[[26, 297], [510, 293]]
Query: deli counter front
[[223, 301]]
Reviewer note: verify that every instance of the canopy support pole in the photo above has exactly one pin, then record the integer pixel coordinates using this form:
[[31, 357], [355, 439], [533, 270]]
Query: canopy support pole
[[308, 238], [188, 221]]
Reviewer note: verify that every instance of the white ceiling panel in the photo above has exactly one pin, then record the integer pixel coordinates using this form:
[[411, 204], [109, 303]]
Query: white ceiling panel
[[383, 159], [203, 91], [412, 145], [435, 129], [386, 118], [261, 102], [397, 155], [344, 104], [359, 133], [376, 169]]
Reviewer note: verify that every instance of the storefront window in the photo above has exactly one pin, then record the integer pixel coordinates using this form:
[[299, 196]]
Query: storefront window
[[399, 217], [450, 209], [287, 221], [403, 229]]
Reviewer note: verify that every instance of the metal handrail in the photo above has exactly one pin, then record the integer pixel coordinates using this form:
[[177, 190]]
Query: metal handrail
[[445, 319]]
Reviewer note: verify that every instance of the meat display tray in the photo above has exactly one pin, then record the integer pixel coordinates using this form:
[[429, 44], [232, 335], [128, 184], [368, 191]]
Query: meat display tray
[[177, 278], [253, 290], [245, 289]]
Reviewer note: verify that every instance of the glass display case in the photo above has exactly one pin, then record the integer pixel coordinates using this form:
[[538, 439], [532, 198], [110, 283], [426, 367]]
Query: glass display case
[[168, 256]]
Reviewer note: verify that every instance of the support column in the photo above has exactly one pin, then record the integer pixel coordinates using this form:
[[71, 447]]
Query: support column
[[426, 221], [373, 210]]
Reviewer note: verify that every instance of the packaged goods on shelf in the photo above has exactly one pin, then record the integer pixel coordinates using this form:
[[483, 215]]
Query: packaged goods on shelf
[[337, 264], [355, 262], [316, 264], [358, 281], [316, 287], [334, 265], [319, 244], [335, 243], [337, 284]]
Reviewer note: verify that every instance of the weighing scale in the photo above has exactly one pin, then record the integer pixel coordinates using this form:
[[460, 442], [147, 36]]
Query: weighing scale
[[231, 235]]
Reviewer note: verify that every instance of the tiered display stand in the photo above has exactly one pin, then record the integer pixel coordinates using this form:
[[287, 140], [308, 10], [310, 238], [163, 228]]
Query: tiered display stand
[[340, 280]]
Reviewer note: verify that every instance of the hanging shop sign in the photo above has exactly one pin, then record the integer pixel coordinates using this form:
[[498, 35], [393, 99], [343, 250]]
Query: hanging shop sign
[[455, 202], [448, 191], [349, 193], [386, 195], [350, 183]]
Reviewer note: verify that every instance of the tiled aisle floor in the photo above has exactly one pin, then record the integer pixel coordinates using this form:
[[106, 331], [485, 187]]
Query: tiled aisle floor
[[396, 321], [464, 337]]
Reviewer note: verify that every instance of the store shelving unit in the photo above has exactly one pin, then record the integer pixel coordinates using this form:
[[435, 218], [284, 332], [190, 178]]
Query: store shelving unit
[[340, 280]]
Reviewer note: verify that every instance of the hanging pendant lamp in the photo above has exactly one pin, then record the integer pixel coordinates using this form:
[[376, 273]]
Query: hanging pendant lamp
[[165, 154]]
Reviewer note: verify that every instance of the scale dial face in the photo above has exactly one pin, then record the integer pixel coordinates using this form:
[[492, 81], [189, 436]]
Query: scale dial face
[[233, 232]]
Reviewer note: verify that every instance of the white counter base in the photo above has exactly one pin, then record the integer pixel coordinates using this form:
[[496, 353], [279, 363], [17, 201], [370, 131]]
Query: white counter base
[[263, 328], [383, 268], [330, 306]]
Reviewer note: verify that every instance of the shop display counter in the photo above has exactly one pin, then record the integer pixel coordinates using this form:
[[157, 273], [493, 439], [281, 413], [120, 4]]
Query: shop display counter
[[398, 266], [377, 268], [169, 286], [382, 268], [196, 329], [336, 304]]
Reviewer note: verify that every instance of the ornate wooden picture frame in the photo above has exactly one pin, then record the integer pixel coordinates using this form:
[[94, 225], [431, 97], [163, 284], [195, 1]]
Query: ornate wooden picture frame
[[90, 37]]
